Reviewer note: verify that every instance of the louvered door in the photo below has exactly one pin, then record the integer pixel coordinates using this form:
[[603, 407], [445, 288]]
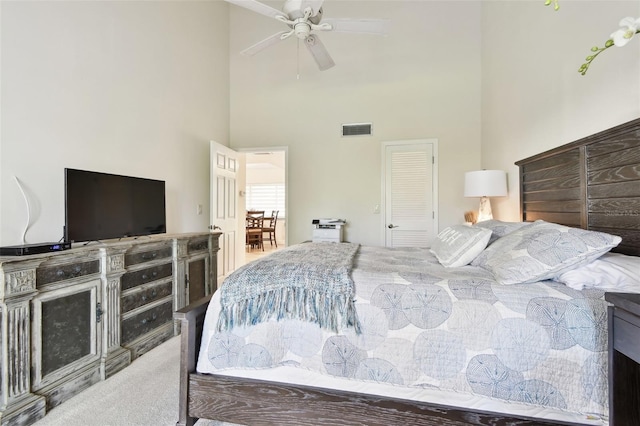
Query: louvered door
[[409, 179]]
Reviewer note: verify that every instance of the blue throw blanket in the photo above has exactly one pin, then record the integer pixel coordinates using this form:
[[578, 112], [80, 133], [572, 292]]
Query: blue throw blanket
[[310, 282]]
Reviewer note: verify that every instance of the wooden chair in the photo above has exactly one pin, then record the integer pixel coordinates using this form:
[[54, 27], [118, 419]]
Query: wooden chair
[[254, 225], [271, 227]]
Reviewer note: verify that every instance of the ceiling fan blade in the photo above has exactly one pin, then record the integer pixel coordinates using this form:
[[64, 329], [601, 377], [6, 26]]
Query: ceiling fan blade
[[362, 26], [257, 7], [261, 45], [319, 52]]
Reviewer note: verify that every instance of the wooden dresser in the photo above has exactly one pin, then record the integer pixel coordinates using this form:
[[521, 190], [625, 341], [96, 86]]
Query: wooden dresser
[[72, 318]]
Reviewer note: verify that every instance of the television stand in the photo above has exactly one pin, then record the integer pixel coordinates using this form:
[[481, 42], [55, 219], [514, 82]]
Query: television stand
[[76, 317]]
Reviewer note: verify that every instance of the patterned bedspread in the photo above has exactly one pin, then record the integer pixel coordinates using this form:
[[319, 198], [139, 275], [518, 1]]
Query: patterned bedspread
[[426, 326]]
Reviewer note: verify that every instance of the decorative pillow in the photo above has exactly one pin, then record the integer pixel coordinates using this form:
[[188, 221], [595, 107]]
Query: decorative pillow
[[460, 244], [612, 271], [542, 251], [499, 228]]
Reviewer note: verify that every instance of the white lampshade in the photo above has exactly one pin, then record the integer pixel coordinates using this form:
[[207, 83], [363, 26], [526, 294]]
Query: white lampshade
[[485, 183]]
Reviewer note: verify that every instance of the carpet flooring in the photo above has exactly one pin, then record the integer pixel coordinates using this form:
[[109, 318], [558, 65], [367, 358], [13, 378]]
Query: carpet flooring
[[143, 394]]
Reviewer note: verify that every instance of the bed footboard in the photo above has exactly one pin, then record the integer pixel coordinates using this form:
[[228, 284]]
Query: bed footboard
[[191, 319], [258, 402]]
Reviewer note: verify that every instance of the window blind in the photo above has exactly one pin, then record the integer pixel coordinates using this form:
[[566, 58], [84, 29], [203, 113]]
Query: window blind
[[266, 197]]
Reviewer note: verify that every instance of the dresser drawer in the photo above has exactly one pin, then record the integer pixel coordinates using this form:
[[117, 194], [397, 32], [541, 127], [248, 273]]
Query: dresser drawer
[[145, 321], [144, 295], [143, 276], [148, 255], [197, 245], [626, 337], [52, 274]]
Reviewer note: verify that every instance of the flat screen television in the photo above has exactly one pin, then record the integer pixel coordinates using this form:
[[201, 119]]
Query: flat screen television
[[100, 206]]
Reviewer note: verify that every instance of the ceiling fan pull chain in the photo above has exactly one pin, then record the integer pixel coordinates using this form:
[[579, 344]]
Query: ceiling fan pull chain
[[298, 60]]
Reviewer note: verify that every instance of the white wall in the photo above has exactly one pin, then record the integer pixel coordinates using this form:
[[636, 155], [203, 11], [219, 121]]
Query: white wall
[[534, 99], [134, 88], [139, 88], [422, 81]]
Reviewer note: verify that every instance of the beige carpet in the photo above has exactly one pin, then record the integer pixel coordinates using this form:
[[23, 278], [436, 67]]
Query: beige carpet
[[144, 393]]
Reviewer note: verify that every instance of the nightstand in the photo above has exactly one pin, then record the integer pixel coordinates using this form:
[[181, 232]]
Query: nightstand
[[624, 358]]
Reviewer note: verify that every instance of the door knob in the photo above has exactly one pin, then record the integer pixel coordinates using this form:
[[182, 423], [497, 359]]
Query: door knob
[[391, 226]]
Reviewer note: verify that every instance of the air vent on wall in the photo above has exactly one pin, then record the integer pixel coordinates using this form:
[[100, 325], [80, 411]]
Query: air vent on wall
[[356, 129]]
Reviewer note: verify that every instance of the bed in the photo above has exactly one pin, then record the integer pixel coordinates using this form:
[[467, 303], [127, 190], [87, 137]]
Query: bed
[[587, 191]]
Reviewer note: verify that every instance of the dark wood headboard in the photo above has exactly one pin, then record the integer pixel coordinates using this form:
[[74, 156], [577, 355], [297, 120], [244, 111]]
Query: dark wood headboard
[[592, 183]]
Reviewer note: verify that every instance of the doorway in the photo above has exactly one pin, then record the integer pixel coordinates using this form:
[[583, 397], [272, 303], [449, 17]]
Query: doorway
[[266, 190]]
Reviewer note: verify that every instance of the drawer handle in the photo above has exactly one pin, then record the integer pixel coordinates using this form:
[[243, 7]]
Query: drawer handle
[[77, 270], [152, 275], [154, 293], [149, 255], [152, 319]]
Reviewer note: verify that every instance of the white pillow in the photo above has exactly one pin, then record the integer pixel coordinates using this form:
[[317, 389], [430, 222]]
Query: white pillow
[[499, 228], [542, 251], [458, 245], [612, 271]]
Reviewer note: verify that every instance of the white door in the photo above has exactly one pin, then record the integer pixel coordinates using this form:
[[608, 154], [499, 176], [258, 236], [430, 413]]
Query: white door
[[410, 193], [224, 205]]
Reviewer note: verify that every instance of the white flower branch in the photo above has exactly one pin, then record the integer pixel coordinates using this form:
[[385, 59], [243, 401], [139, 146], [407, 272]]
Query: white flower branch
[[629, 28], [556, 6]]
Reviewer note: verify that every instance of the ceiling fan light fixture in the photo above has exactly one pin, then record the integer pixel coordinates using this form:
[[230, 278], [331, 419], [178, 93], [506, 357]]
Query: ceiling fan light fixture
[[302, 30]]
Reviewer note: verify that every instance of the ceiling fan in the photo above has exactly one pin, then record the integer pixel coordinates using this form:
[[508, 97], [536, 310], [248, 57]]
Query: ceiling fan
[[303, 17]]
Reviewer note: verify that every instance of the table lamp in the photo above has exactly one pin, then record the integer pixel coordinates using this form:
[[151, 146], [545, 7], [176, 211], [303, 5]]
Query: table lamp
[[485, 184]]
